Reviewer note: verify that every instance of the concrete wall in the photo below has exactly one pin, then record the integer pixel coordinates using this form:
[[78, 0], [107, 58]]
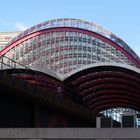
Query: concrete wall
[[70, 133]]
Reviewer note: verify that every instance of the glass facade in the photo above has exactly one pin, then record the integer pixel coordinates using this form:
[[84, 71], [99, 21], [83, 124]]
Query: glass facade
[[6, 37], [64, 51], [117, 113], [77, 23]]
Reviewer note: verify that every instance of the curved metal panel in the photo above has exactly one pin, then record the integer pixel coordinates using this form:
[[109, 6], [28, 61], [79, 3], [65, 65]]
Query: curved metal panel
[[93, 34]]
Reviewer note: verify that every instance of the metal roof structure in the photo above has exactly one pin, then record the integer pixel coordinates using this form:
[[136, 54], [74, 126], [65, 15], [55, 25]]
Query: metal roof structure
[[99, 66]]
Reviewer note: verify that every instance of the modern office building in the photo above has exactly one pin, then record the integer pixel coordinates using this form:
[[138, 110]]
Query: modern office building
[[63, 45], [6, 37], [67, 73]]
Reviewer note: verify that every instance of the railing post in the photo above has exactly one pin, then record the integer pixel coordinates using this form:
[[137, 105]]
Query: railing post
[[1, 58], [1, 63], [77, 98]]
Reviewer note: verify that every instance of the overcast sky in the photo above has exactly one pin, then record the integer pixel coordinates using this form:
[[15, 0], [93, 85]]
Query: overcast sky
[[122, 17]]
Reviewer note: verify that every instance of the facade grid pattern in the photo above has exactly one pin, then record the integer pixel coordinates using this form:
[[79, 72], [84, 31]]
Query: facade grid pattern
[[64, 51]]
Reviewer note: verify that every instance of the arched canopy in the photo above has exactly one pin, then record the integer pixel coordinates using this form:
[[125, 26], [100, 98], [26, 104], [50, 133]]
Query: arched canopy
[[94, 34], [101, 64], [106, 86], [77, 23]]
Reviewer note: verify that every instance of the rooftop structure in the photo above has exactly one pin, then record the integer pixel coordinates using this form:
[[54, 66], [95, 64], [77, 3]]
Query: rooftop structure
[[6, 37], [95, 66]]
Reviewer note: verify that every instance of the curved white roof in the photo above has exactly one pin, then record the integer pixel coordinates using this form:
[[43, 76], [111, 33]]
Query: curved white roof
[[93, 65]]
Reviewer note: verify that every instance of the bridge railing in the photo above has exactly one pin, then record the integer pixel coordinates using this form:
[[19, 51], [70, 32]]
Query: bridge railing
[[16, 69]]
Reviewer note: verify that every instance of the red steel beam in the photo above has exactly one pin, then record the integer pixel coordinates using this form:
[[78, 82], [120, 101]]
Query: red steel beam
[[91, 33]]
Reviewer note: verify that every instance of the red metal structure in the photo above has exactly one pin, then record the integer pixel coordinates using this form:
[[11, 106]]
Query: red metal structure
[[64, 46]]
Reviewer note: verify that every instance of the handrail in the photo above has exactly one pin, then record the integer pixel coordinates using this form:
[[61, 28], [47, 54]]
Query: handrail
[[73, 96]]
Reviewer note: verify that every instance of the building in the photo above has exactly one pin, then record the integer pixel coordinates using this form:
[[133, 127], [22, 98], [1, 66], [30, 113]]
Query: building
[[69, 72], [69, 46], [6, 37]]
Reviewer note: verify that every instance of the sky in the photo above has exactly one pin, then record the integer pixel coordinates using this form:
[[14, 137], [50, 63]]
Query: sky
[[122, 17]]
